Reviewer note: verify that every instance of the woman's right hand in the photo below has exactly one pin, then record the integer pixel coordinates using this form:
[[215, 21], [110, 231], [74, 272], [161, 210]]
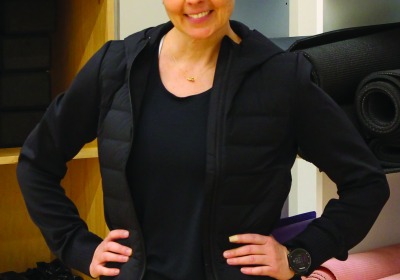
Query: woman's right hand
[[110, 251]]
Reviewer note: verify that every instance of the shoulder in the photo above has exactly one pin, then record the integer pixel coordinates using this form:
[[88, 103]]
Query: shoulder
[[149, 37], [114, 49], [150, 34], [259, 50], [292, 67]]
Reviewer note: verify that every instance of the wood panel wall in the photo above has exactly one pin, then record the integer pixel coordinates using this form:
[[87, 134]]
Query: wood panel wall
[[82, 28]]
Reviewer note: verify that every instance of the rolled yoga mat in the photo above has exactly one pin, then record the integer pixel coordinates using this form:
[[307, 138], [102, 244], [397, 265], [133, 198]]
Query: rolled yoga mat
[[370, 265], [342, 58], [377, 105], [377, 102]]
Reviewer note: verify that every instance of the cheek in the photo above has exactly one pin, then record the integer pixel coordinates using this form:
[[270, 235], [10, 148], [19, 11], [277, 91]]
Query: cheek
[[171, 6], [224, 4], [225, 7]]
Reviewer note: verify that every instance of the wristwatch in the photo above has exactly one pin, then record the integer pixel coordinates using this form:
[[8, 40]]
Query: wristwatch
[[299, 261]]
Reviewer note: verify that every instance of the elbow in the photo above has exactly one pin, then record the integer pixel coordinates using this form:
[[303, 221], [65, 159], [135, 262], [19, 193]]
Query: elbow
[[23, 176], [381, 193], [385, 193], [20, 172]]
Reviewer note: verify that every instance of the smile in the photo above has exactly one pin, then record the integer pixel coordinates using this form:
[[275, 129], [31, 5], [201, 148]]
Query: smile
[[199, 15]]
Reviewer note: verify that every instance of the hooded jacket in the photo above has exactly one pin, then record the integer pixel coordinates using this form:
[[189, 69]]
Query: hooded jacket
[[263, 108]]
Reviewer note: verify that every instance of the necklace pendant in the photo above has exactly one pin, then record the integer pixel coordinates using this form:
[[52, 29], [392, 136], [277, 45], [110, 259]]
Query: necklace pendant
[[191, 79]]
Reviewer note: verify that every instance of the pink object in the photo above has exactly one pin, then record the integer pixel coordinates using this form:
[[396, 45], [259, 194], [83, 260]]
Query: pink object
[[392, 277], [321, 274], [370, 265]]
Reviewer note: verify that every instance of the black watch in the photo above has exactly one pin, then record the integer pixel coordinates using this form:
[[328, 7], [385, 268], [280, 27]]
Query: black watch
[[299, 261]]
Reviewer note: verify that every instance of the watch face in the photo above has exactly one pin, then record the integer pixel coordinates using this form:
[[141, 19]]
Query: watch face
[[299, 260]]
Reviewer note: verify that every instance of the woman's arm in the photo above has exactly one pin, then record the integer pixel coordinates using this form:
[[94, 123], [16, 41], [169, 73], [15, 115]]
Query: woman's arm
[[327, 138], [69, 123]]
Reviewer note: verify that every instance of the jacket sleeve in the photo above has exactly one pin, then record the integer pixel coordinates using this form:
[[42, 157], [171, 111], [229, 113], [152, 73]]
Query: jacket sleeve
[[69, 123], [329, 140]]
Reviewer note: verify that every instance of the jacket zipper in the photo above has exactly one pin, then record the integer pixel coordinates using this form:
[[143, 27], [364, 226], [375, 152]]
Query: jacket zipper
[[133, 126], [218, 139]]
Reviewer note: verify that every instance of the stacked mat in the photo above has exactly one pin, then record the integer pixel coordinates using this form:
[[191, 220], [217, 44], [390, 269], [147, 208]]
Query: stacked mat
[[354, 66], [54, 270], [25, 63]]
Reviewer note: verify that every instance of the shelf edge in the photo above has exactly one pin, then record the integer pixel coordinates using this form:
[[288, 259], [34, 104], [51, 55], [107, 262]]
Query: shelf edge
[[10, 155]]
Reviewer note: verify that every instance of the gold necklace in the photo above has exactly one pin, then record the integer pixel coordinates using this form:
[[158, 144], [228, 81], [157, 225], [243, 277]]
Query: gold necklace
[[191, 79]]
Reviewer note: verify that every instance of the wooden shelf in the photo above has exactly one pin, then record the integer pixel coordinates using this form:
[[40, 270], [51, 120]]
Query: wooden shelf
[[82, 28], [20, 240], [10, 155]]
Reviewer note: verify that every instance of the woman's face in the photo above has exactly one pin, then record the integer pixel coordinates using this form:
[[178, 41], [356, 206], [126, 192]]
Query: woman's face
[[200, 19]]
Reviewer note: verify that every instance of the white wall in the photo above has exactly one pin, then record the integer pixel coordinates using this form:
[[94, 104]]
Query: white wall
[[135, 15], [305, 17], [270, 17], [309, 17], [386, 230], [305, 194], [349, 13]]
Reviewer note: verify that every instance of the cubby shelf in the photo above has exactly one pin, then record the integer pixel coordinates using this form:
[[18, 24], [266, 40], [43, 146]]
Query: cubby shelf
[[82, 28]]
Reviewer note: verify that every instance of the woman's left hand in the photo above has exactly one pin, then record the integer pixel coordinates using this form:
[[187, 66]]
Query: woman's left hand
[[261, 256]]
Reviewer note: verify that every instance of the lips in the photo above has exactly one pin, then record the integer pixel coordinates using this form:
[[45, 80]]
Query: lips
[[199, 15]]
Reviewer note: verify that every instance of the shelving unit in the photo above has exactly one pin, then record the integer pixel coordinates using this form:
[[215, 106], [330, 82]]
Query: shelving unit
[[82, 28], [21, 243]]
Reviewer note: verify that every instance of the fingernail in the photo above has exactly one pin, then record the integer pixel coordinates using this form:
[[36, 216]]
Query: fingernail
[[233, 238], [245, 270], [129, 252], [226, 254]]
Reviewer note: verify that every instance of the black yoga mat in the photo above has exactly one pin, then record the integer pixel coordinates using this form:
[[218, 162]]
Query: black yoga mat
[[377, 105], [377, 102], [342, 58], [388, 154]]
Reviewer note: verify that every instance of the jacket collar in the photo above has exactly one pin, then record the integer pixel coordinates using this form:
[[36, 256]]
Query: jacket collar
[[151, 36], [254, 49]]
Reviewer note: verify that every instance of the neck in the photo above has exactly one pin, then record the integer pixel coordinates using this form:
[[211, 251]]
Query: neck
[[189, 49], [193, 59]]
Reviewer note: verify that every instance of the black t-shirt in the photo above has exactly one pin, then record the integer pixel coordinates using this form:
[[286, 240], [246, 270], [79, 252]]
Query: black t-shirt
[[166, 172]]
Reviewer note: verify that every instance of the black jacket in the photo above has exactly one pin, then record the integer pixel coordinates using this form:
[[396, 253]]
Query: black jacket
[[262, 110]]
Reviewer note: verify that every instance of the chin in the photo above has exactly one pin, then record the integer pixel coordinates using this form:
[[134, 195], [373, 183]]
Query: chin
[[201, 34]]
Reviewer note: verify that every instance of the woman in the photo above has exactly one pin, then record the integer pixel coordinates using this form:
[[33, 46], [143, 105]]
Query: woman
[[198, 124]]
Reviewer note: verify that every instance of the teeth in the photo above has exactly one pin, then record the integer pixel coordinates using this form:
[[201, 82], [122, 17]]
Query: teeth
[[199, 15]]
